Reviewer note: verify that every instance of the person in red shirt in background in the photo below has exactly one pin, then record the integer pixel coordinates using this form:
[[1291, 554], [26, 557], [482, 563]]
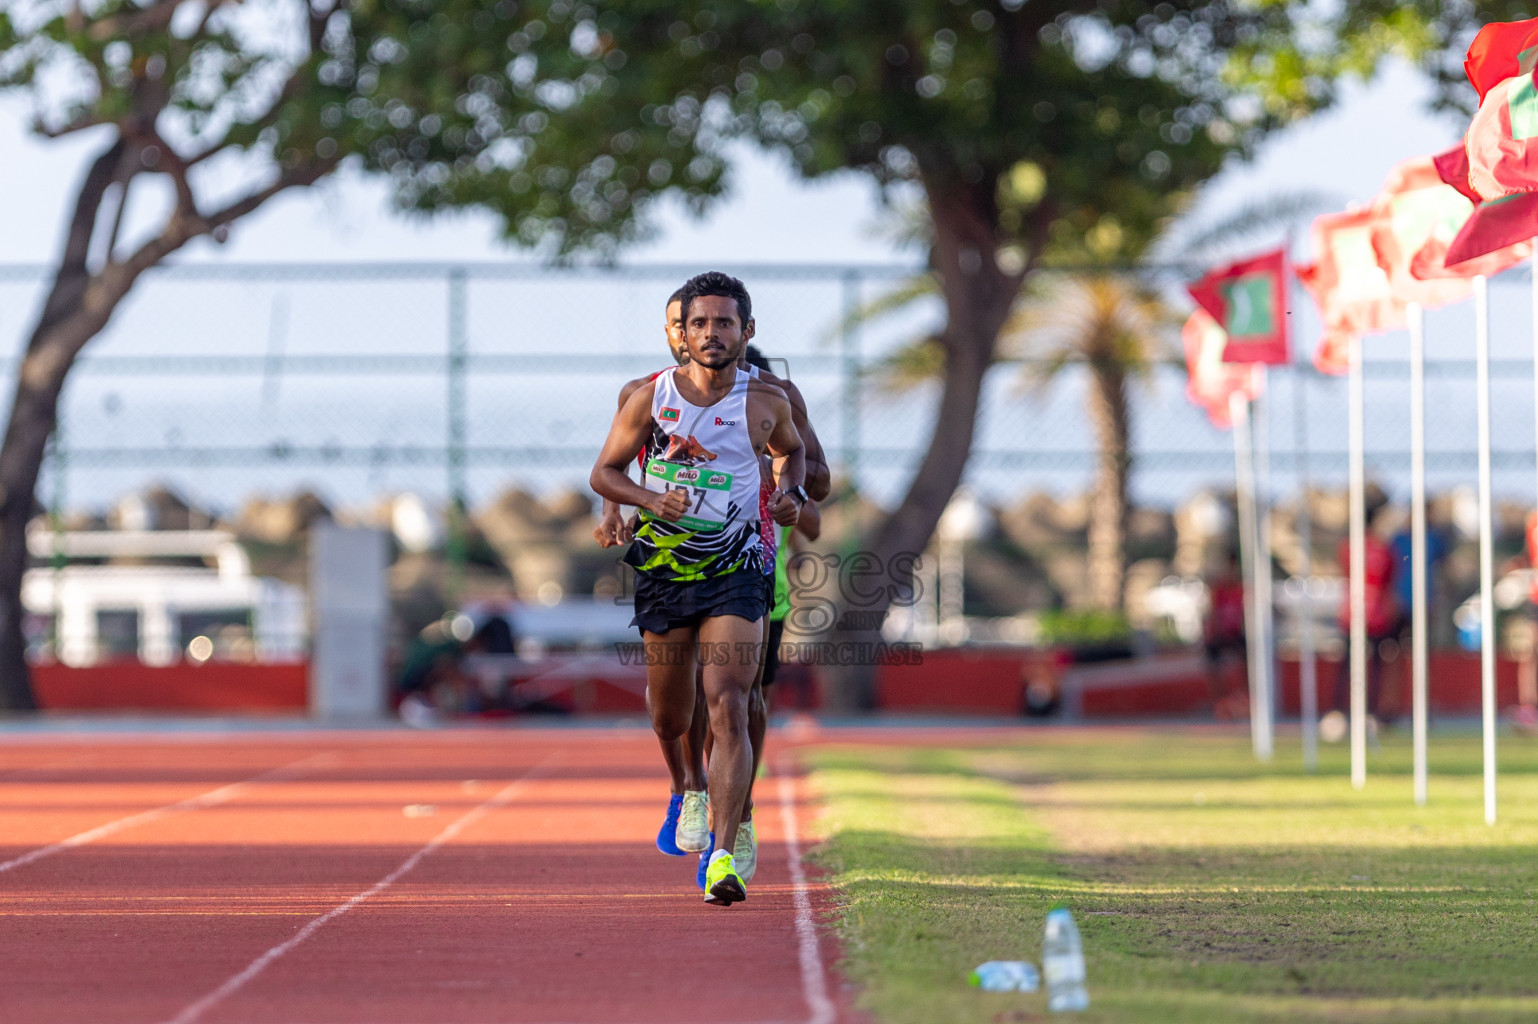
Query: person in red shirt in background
[[1526, 715], [1383, 616], [1223, 635]]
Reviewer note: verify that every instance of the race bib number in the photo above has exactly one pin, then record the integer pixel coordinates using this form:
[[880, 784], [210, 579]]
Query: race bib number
[[709, 492]]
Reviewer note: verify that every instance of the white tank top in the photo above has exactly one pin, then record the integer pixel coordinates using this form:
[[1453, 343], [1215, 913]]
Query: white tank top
[[705, 451]]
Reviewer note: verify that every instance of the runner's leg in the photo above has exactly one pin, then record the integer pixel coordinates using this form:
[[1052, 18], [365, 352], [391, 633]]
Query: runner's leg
[[758, 719], [727, 690], [699, 730], [670, 700]]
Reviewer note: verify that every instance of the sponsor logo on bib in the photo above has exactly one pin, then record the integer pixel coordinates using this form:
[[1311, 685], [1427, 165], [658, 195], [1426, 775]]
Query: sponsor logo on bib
[[717, 479], [687, 476], [669, 414]]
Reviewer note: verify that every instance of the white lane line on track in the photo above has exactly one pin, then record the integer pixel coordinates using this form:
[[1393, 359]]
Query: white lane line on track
[[814, 975], [237, 981], [212, 798]]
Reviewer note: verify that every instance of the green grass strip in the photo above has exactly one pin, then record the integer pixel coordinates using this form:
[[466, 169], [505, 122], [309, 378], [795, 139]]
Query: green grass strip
[[1207, 887]]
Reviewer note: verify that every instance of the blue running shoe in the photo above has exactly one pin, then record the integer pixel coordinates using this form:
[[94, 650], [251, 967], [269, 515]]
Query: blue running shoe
[[699, 878], [667, 840]]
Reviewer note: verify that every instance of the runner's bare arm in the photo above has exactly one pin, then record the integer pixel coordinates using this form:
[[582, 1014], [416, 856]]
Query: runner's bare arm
[[819, 481], [789, 453], [612, 529], [627, 435], [810, 523]]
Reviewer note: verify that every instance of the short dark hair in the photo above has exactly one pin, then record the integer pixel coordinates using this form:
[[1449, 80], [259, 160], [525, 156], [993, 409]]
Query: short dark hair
[[714, 282], [756, 358], [677, 296]]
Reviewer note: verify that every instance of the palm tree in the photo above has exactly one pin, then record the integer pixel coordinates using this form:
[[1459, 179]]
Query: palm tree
[[1115, 325], [1114, 322]]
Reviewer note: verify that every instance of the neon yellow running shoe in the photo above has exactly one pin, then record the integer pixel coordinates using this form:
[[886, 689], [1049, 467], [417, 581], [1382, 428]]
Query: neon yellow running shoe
[[723, 886], [692, 834], [745, 851]]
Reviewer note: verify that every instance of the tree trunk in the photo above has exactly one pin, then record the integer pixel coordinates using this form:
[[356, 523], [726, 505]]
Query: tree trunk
[[62, 327], [978, 297], [1107, 556]]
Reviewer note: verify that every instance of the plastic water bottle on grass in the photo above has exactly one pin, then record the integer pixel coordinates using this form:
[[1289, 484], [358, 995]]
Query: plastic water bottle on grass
[[1005, 976], [1062, 963]]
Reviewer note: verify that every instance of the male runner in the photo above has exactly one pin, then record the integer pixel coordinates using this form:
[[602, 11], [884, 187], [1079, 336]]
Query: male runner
[[684, 826], [745, 844], [698, 550]]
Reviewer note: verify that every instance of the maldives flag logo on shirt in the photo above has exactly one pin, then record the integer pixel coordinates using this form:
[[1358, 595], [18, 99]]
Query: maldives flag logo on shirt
[[669, 414]]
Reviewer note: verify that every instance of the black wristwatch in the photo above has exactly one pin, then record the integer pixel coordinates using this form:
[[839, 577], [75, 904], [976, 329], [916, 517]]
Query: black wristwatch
[[799, 493]]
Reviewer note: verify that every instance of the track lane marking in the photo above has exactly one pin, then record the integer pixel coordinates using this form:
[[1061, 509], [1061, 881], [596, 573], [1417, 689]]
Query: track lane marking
[[238, 981], [212, 798], [814, 974]]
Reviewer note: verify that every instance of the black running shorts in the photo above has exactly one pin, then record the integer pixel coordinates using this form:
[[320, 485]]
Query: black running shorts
[[661, 605]]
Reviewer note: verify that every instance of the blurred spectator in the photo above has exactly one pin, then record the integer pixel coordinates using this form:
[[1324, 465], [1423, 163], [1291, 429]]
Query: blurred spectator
[[1383, 617], [1527, 674], [1404, 579], [1223, 635], [432, 678]]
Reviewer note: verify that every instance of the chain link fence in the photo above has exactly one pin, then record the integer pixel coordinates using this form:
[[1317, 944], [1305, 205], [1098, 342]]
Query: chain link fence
[[356, 381]]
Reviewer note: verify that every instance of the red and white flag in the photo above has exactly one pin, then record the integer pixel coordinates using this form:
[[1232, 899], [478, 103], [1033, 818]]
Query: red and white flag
[[1502, 141], [1248, 300], [1350, 288], [1415, 220], [1209, 380]]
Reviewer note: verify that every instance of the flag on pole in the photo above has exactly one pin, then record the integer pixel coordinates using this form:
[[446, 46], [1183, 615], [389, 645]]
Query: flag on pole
[[1501, 50], [1348, 286], [1415, 219], [1248, 301], [1453, 167], [1502, 140], [1210, 381]]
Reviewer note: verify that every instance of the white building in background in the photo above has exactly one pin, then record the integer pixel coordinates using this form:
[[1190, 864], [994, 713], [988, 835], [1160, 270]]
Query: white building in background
[[158, 612]]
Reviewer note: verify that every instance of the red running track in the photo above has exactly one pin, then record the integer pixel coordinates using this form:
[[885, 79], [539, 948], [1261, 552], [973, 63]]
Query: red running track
[[479, 877]]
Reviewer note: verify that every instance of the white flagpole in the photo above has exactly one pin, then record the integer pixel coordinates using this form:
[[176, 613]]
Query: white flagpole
[[1417, 321], [1308, 681], [1244, 480], [1486, 539], [1358, 569], [1265, 681]]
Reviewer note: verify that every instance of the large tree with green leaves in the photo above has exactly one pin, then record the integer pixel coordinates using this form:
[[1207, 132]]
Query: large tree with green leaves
[[1041, 133], [204, 110], [1026, 123]]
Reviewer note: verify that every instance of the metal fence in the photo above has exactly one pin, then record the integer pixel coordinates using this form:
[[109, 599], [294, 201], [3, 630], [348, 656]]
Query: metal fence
[[227, 381]]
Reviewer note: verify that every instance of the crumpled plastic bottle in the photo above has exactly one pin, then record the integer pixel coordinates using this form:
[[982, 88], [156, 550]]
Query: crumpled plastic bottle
[[1005, 976]]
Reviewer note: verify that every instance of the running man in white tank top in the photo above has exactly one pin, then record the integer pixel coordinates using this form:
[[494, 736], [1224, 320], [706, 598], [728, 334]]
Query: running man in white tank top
[[685, 825], [699, 576]]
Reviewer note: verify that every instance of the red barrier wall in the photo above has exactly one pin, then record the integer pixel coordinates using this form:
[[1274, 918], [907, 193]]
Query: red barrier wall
[[1452, 684], [956, 680], [131, 686]]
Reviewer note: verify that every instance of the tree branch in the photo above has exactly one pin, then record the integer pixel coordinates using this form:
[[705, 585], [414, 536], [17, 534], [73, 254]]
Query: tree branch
[[82, 304], [181, 229], [290, 88], [72, 276], [135, 21], [78, 125], [117, 219]]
